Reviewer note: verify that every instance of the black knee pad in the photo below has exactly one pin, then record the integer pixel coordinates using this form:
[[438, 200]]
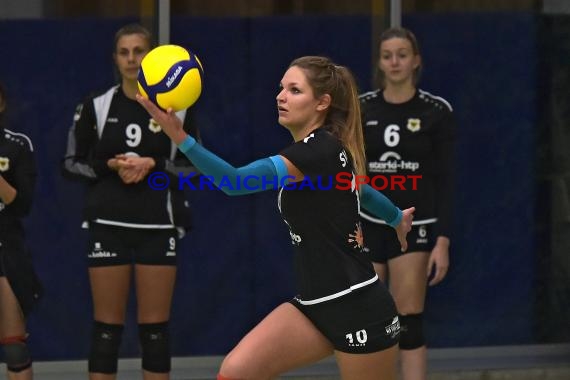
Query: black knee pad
[[155, 346], [16, 353], [105, 343], [411, 331]]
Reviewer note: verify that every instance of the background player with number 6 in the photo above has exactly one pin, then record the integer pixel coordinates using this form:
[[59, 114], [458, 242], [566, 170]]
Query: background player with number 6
[[408, 131]]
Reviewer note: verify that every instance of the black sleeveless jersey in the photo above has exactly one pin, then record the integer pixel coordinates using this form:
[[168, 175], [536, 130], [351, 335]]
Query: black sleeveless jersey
[[109, 124], [323, 221], [18, 168], [414, 138]]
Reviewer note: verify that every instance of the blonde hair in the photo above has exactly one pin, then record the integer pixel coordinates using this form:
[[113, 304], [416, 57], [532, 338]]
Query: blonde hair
[[343, 117]]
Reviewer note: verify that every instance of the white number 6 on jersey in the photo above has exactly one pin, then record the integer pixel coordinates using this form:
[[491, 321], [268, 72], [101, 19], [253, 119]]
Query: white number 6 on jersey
[[391, 135]]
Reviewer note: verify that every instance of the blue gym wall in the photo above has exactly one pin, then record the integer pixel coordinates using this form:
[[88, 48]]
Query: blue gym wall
[[235, 266]]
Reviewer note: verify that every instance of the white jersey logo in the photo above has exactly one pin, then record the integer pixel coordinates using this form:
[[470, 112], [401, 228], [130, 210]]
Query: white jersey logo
[[308, 138], [391, 162]]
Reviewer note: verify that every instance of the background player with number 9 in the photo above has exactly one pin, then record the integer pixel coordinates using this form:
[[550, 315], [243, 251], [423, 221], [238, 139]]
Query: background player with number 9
[[114, 145]]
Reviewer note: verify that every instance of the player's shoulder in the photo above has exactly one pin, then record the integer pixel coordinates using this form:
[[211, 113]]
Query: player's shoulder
[[320, 139], [18, 138], [434, 101], [95, 97], [369, 97], [319, 148], [324, 142], [99, 94]]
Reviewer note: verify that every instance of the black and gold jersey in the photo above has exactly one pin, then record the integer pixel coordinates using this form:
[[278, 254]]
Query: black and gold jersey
[[110, 124], [323, 220], [409, 148], [18, 168]]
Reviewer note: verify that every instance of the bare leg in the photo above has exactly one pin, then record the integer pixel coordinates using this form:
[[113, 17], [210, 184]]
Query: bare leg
[[12, 323], [380, 365], [110, 291], [414, 363], [408, 282], [284, 340], [155, 286]]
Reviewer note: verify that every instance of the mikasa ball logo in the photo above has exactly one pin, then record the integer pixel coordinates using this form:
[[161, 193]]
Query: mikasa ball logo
[[173, 77]]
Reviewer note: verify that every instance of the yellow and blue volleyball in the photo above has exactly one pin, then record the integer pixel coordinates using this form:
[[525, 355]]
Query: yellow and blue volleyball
[[171, 77]]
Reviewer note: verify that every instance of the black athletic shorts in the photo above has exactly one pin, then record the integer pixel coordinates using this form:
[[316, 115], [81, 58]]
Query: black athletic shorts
[[381, 241], [113, 245], [360, 322], [13, 247], [16, 265]]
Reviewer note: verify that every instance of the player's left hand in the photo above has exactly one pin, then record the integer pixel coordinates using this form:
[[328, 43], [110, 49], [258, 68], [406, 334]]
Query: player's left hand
[[405, 226], [438, 262]]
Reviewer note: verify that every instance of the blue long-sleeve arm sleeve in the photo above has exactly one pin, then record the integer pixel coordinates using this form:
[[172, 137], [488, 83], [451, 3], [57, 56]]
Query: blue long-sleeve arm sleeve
[[264, 174], [378, 204]]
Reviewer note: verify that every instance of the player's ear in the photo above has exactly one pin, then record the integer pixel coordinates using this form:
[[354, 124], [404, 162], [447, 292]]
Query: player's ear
[[417, 61], [324, 102]]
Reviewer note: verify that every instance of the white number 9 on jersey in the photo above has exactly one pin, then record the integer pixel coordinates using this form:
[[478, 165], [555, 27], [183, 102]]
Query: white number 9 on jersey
[[134, 135]]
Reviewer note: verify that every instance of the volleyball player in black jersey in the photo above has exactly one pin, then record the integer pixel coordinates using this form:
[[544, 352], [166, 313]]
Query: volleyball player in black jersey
[[341, 307], [19, 287], [409, 132], [114, 145]]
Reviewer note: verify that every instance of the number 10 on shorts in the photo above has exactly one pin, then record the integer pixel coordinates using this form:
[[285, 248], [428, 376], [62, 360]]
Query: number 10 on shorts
[[361, 338]]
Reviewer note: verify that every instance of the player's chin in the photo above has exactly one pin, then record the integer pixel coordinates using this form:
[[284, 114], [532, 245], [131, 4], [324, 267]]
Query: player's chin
[[131, 75], [282, 120]]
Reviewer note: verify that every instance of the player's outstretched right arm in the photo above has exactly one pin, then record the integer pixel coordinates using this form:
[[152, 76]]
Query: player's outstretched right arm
[[264, 174]]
